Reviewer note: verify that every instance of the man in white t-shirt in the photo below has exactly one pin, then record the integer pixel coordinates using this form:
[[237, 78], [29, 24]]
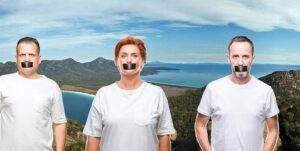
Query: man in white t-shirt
[[31, 106], [239, 105]]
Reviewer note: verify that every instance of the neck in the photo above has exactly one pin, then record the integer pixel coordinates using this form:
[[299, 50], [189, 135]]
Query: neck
[[129, 83], [240, 81], [30, 76]]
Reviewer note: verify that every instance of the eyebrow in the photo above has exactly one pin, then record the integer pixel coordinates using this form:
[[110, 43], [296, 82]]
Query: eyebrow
[[128, 53], [27, 54]]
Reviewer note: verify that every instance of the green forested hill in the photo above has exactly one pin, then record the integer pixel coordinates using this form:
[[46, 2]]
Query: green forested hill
[[90, 75], [286, 86]]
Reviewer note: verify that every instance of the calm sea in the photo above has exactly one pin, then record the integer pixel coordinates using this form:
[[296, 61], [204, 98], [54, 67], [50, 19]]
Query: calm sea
[[198, 75], [77, 105], [194, 75]]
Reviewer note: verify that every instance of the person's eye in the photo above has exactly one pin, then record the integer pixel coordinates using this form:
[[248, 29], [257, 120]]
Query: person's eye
[[245, 57]]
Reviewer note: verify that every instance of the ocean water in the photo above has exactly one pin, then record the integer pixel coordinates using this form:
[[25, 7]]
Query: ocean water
[[199, 75], [77, 105]]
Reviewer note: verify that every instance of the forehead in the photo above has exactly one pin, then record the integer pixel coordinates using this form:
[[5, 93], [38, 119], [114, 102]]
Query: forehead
[[130, 48], [27, 47], [240, 47]]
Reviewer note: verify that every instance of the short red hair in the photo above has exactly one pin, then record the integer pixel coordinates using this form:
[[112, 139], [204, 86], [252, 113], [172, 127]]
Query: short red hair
[[129, 40]]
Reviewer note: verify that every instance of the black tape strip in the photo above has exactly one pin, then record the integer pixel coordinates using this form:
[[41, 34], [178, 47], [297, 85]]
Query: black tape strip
[[129, 66], [240, 68], [27, 64]]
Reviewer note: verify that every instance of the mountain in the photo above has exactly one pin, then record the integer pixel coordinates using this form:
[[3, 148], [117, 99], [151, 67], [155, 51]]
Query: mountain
[[8, 67], [286, 84], [90, 75]]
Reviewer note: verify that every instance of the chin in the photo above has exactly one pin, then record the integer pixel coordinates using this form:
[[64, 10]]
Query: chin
[[241, 76], [130, 73]]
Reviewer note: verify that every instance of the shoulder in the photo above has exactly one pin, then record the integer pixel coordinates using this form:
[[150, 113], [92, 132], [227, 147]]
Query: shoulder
[[217, 83], [105, 89], [153, 88], [7, 78], [49, 81], [49, 85], [261, 85]]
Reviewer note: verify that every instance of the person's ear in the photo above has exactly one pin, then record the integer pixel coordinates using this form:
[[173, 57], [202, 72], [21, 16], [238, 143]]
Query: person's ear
[[228, 58]]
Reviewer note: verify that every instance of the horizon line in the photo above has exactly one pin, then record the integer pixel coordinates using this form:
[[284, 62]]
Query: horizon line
[[162, 62]]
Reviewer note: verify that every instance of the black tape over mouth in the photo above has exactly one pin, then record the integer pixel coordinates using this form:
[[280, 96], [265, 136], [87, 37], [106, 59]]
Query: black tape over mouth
[[129, 66], [27, 64], [240, 68]]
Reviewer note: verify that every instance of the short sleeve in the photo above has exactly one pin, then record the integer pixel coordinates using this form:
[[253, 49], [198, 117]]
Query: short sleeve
[[57, 109], [205, 103], [0, 104], [165, 124], [271, 107], [0, 95], [93, 126], [1, 90]]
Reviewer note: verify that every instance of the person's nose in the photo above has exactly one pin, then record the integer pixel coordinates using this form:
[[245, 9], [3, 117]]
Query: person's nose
[[27, 58], [240, 61], [129, 59]]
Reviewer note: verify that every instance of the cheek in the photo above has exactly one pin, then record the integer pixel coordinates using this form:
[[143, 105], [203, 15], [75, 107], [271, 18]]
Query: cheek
[[36, 61], [19, 59], [119, 63], [249, 62], [233, 62], [141, 62], [122, 60]]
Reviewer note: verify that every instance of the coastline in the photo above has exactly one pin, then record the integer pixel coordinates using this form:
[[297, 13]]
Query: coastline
[[82, 93], [172, 85], [78, 89], [170, 90]]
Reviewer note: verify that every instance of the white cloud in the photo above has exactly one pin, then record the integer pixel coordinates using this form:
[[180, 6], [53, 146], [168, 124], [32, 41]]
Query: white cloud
[[70, 23], [34, 15], [181, 25]]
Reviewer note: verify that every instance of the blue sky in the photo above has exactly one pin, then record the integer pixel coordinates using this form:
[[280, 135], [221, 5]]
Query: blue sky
[[193, 31]]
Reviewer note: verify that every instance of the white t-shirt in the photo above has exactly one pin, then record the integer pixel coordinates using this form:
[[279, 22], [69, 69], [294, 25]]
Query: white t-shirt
[[28, 107], [238, 113], [129, 120]]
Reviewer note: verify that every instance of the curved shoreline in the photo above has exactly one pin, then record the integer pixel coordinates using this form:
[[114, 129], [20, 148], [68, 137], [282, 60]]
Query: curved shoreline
[[82, 93]]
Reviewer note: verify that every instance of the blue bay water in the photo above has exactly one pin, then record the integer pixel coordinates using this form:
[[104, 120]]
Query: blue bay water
[[198, 75], [77, 105]]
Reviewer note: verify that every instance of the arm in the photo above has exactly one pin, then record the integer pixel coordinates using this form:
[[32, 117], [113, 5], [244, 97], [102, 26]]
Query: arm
[[164, 143], [92, 143], [60, 132], [201, 131], [272, 135]]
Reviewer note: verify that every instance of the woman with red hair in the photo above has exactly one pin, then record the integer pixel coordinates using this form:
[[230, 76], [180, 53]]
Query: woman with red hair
[[130, 114]]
